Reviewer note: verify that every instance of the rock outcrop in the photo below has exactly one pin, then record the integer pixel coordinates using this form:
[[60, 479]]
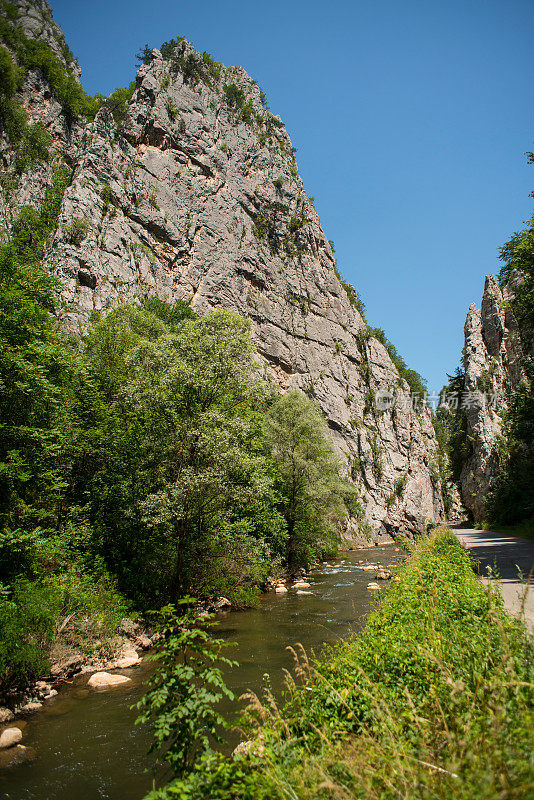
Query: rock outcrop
[[194, 194], [492, 363]]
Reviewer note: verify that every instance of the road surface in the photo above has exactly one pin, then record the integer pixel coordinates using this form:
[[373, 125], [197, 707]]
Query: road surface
[[509, 558]]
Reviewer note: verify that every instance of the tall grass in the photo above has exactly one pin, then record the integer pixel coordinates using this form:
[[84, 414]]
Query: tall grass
[[433, 700]]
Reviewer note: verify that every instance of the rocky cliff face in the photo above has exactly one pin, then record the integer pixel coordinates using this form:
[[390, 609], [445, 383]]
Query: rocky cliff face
[[492, 361], [195, 195]]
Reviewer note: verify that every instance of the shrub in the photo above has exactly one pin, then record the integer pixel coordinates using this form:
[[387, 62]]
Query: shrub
[[118, 100], [33, 147], [76, 230], [236, 100], [184, 691], [171, 109]]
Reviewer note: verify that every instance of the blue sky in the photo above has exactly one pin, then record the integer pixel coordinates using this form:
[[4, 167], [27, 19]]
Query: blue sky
[[410, 118]]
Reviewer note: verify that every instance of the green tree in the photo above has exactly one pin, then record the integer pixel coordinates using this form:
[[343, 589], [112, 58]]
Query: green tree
[[309, 478], [185, 689], [167, 457]]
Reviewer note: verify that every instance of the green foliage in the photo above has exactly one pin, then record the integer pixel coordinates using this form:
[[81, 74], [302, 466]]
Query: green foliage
[[312, 491], [236, 100], [171, 109], [184, 690], [33, 147], [194, 68], [30, 142], [168, 454], [433, 699], [9, 74], [144, 55], [27, 626], [34, 54], [452, 419], [118, 101], [168, 49], [511, 499], [46, 566], [76, 230], [443, 466]]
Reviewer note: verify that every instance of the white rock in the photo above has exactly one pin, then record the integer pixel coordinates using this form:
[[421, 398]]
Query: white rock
[[10, 737], [301, 585], [6, 715], [105, 680], [373, 587], [301, 591], [30, 708], [280, 589]]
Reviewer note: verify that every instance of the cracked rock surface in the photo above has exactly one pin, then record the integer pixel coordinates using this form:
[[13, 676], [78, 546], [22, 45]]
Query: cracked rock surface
[[196, 196], [492, 364]]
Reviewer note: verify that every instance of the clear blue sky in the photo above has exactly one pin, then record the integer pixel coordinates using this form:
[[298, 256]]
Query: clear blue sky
[[410, 118]]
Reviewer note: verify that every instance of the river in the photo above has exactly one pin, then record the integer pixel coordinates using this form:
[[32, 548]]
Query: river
[[86, 744]]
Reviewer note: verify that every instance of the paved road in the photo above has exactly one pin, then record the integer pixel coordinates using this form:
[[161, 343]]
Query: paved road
[[508, 557]]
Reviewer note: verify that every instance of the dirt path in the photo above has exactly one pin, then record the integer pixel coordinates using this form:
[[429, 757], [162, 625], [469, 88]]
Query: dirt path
[[508, 557]]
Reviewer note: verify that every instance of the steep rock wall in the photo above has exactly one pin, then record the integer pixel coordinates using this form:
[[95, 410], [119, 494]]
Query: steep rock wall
[[196, 195], [492, 362]]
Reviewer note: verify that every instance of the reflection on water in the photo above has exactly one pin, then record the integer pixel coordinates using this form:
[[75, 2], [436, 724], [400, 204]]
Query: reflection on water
[[87, 746]]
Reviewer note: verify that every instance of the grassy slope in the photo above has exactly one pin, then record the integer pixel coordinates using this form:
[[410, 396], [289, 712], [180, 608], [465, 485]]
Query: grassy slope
[[433, 700]]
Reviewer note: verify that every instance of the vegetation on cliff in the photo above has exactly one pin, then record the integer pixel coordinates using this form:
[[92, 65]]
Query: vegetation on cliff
[[513, 497], [433, 699]]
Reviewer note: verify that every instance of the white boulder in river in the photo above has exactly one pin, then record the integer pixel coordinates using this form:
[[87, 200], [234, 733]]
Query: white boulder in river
[[10, 737], [105, 680]]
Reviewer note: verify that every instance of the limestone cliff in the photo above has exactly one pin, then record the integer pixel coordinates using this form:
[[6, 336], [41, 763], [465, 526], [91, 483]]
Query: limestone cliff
[[492, 362], [193, 193]]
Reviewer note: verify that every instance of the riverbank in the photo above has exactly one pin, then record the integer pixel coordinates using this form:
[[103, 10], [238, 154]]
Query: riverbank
[[85, 743], [434, 699]]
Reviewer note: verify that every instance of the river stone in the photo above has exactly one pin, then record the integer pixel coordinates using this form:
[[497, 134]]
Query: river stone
[[281, 589], [105, 680], [30, 708], [129, 627], [301, 591], [221, 604], [66, 667], [249, 747], [373, 587], [383, 574], [10, 737], [128, 657], [301, 585], [15, 755], [6, 715]]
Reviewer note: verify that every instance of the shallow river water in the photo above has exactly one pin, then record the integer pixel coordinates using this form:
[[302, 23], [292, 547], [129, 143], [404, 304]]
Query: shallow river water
[[87, 746]]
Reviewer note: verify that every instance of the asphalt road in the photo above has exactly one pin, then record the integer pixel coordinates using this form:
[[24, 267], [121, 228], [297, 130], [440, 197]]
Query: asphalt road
[[511, 561]]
